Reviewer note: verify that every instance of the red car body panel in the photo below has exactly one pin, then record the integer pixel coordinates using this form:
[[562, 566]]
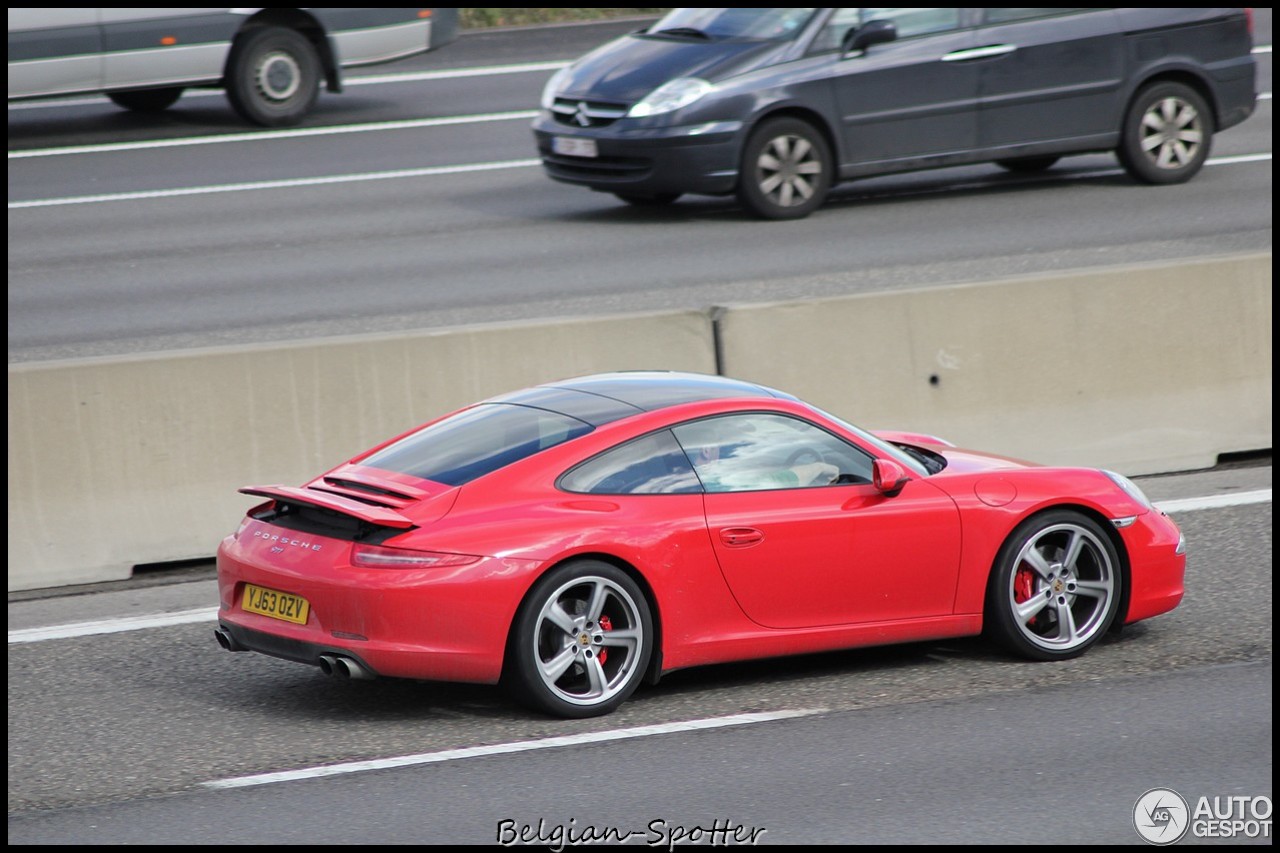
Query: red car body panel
[[729, 576]]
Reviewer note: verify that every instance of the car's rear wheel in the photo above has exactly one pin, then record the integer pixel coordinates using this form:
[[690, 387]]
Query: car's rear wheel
[[658, 200], [1028, 164], [581, 641], [786, 170], [147, 100], [1055, 588], [273, 76], [1166, 135]]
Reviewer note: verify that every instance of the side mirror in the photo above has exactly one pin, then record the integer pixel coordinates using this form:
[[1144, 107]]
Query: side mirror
[[872, 32], [888, 477]]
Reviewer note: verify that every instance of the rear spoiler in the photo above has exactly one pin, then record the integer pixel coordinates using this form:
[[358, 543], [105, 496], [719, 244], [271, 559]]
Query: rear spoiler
[[327, 500]]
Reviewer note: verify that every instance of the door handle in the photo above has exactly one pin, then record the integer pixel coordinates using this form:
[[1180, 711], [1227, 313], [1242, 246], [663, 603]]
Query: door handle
[[741, 537], [979, 52]]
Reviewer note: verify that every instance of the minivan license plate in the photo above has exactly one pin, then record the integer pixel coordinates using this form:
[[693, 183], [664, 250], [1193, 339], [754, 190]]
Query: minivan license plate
[[276, 604], [574, 147]]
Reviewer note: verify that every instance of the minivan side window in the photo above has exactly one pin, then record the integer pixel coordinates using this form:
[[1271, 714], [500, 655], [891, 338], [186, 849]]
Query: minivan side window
[[908, 22], [1006, 16]]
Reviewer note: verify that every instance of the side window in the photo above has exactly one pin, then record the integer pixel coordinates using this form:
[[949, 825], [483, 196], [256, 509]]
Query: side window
[[909, 22], [759, 451], [651, 465], [1006, 16], [916, 22]]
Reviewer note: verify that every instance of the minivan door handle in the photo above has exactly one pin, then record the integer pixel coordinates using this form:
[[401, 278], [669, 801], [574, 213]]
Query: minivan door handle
[[979, 52], [741, 537]]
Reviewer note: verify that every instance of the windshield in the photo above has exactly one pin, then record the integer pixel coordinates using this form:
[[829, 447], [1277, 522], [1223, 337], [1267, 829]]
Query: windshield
[[891, 450], [763, 24]]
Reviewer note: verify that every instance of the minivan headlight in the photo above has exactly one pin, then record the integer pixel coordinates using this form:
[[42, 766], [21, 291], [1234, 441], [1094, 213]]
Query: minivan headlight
[[672, 95]]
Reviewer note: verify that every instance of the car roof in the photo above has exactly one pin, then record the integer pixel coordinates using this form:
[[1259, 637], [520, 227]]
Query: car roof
[[604, 397]]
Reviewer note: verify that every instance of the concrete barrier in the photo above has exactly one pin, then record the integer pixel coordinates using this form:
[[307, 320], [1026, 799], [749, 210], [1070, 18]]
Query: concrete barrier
[[116, 462], [1142, 369]]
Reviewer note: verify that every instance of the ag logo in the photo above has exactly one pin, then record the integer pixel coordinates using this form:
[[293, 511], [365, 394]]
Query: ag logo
[[1161, 816]]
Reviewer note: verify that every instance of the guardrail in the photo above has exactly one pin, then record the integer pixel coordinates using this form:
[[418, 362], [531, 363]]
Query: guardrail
[[116, 462]]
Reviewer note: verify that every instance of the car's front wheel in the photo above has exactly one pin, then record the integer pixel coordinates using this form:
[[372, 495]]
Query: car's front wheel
[[1055, 588], [786, 170], [1166, 135], [581, 641], [273, 76]]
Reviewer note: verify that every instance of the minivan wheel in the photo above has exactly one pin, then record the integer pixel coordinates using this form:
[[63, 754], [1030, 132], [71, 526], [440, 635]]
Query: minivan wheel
[[1166, 135], [786, 170]]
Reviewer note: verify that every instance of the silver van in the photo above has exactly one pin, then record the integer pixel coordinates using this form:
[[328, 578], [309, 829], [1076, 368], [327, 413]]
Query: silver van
[[269, 61]]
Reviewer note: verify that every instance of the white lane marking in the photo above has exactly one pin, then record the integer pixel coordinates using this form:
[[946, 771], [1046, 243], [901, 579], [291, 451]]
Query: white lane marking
[[203, 614], [272, 135], [475, 167], [111, 626], [1216, 501], [508, 748], [296, 182]]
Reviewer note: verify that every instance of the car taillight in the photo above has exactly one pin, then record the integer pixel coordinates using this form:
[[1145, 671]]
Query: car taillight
[[382, 557]]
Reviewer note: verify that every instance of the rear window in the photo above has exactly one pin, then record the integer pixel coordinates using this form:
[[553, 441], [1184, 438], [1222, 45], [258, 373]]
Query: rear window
[[475, 442]]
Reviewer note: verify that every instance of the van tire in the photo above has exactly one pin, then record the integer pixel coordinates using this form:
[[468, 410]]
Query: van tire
[[273, 76]]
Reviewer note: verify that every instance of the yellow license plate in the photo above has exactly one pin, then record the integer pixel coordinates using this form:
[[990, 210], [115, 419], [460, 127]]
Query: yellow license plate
[[276, 604]]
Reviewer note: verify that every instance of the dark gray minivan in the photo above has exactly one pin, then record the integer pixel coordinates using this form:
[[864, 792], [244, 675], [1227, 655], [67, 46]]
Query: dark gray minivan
[[778, 105]]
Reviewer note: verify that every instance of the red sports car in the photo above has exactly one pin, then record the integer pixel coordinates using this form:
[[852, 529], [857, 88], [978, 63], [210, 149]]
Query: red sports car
[[576, 538]]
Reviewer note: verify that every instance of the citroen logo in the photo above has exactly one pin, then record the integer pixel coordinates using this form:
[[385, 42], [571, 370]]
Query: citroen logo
[[580, 115]]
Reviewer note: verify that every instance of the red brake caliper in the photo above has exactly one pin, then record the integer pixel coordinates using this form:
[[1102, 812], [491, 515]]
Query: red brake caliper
[[1024, 587], [605, 625]]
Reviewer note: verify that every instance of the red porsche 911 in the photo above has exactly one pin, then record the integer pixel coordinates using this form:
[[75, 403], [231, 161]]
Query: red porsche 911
[[574, 539]]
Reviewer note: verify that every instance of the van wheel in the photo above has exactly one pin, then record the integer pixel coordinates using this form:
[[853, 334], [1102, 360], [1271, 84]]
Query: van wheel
[[1166, 134], [786, 170], [147, 100], [273, 76]]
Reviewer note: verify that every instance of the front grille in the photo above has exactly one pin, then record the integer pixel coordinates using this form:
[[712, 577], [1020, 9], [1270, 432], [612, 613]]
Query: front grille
[[619, 168], [577, 113]]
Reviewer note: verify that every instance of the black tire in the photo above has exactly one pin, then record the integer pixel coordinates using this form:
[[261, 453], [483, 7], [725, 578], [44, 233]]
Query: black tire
[[1167, 134], [1028, 164], [581, 641], [786, 170], [273, 76], [1055, 588], [658, 200], [147, 100]]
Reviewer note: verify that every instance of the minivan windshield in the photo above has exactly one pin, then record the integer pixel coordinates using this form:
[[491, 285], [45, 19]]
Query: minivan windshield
[[761, 24]]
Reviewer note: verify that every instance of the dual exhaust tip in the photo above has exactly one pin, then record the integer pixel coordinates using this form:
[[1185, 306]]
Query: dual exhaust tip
[[332, 665], [345, 668]]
